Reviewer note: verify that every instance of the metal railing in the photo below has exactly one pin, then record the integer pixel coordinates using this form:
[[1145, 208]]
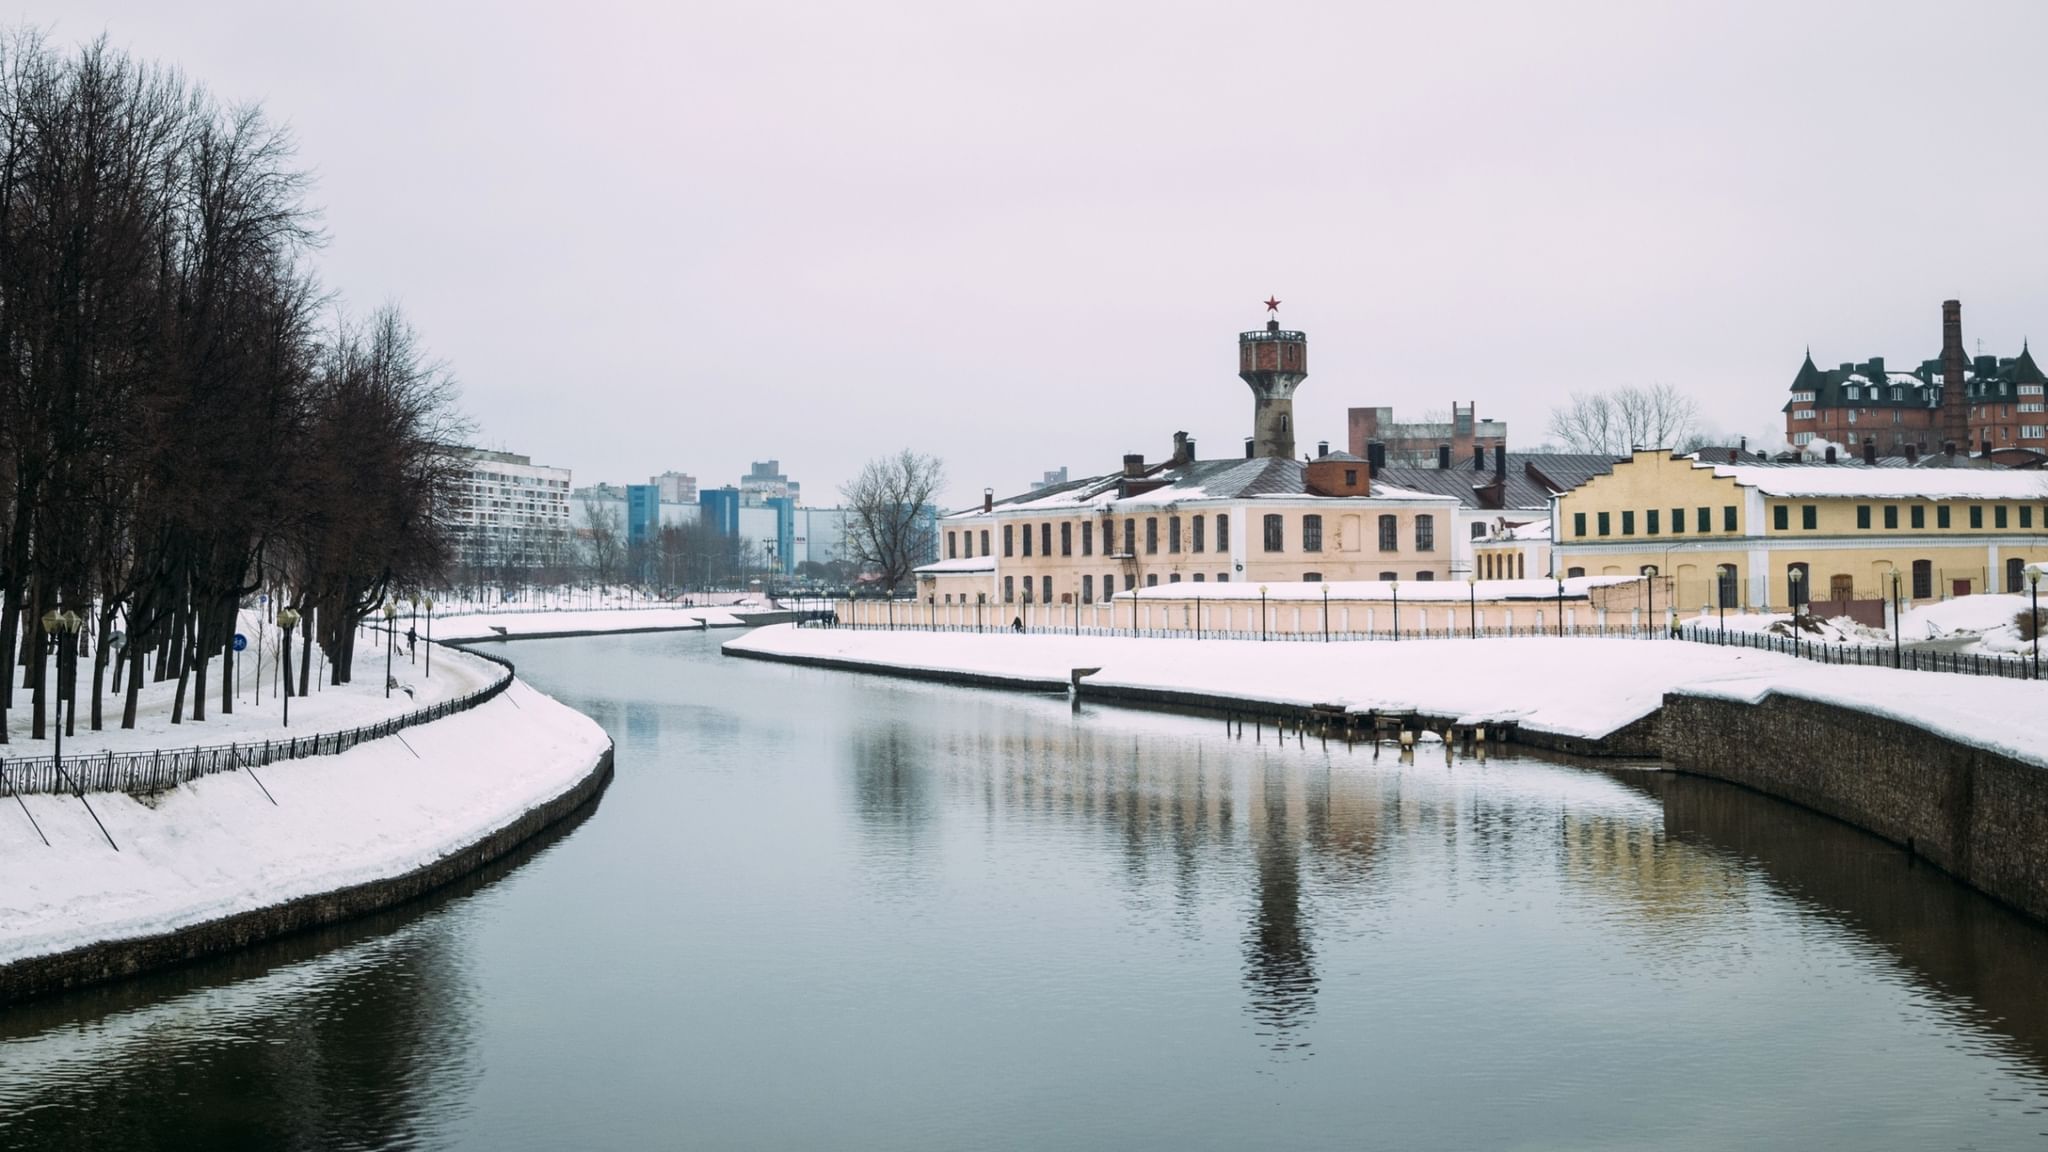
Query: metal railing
[[140, 773], [1869, 655]]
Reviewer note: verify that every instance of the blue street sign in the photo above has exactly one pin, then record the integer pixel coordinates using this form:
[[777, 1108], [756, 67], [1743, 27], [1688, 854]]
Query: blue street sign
[[241, 641]]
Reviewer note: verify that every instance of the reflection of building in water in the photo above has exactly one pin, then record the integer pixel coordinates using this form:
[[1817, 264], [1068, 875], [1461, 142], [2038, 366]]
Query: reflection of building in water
[[1280, 971], [1631, 857]]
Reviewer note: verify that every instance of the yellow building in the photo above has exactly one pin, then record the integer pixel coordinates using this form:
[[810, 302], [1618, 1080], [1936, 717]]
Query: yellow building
[[1759, 536]]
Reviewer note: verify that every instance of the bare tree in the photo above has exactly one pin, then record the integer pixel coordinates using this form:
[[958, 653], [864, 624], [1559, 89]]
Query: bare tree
[[601, 542], [891, 524], [1613, 423]]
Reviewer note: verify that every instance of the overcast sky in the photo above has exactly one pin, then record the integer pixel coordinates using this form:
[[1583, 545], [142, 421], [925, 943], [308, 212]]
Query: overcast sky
[[1022, 236]]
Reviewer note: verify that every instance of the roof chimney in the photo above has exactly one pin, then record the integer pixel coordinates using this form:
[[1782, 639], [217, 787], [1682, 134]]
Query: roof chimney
[[1375, 456], [1443, 456], [1134, 465], [1479, 457], [1745, 443], [1183, 448], [1831, 453], [988, 499], [1869, 450], [1912, 453], [1500, 462], [1948, 447], [1250, 447], [1322, 449], [1733, 455]]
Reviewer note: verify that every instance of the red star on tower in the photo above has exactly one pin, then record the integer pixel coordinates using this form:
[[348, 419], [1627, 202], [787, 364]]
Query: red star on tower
[[1272, 305]]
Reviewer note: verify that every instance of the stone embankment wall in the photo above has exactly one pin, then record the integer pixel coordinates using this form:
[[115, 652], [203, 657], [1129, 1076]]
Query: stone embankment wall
[[115, 959], [1975, 814]]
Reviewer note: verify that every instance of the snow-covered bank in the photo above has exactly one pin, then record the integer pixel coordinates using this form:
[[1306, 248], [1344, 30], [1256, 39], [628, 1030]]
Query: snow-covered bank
[[513, 625], [218, 847], [1570, 687]]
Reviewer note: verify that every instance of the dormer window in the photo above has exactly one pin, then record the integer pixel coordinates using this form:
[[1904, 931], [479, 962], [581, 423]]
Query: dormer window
[[1853, 392]]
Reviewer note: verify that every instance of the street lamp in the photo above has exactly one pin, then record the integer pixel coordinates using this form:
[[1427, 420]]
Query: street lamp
[[64, 626], [1396, 586], [1560, 607], [1472, 587], [430, 637], [2034, 591], [1796, 581], [390, 619], [1262, 611], [412, 627], [1326, 613], [286, 621]]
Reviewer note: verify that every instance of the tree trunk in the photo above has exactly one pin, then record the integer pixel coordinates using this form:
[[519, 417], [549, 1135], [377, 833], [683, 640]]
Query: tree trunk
[[306, 651], [100, 656]]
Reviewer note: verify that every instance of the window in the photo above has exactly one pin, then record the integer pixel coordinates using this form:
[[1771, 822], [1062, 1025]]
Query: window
[[1802, 397], [1425, 533], [1223, 577], [1173, 533], [1478, 530], [1087, 589], [1677, 521], [1066, 537], [1027, 539], [1311, 577], [1574, 573], [1891, 515], [1728, 518], [2016, 576], [1275, 534], [1131, 536], [1802, 413], [1222, 532], [952, 545], [1009, 542], [1941, 516], [1998, 515], [1045, 539], [1047, 598], [1390, 528], [1351, 477], [2026, 515], [1151, 579], [1151, 534], [1628, 523], [1919, 516], [1173, 578], [1578, 523], [1725, 586], [1009, 586], [1809, 517], [1852, 392], [1108, 586], [1087, 537], [1195, 534], [1704, 518], [984, 543], [2030, 406], [1650, 522], [1976, 515], [1027, 589], [1425, 575], [1109, 537], [1312, 533], [1389, 577], [1199, 577], [1781, 517], [1923, 579], [1130, 582], [2033, 431], [1863, 516]]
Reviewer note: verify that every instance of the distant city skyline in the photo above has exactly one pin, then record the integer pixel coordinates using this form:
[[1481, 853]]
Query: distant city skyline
[[839, 234]]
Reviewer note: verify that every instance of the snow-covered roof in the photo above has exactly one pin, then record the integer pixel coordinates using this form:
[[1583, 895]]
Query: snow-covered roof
[[1886, 483], [1196, 480], [960, 564], [1575, 588]]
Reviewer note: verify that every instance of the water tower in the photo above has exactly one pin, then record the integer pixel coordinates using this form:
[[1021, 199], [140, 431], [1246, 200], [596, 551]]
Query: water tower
[[1274, 362]]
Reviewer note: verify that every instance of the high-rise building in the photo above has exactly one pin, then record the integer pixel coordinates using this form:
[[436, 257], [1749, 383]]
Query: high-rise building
[[643, 514], [719, 510], [507, 510], [676, 487], [764, 481]]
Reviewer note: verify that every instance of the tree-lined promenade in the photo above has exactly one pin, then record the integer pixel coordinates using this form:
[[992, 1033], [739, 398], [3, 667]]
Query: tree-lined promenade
[[185, 417]]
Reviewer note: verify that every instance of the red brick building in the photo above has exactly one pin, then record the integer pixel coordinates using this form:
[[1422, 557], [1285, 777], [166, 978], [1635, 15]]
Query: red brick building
[[1417, 444], [1981, 404]]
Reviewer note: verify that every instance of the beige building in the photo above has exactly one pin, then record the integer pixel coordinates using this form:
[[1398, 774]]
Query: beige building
[[1191, 521], [1760, 536]]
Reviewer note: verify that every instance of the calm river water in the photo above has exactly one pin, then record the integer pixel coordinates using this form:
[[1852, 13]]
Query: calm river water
[[818, 910]]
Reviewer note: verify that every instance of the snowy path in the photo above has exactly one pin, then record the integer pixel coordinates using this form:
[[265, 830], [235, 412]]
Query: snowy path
[[217, 846], [1584, 688]]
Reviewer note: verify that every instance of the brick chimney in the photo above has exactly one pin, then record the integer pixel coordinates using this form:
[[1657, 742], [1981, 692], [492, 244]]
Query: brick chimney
[[1443, 456], [1869, 450], [988, 499], [1955, 404], [1134, 465], [1183, 449]]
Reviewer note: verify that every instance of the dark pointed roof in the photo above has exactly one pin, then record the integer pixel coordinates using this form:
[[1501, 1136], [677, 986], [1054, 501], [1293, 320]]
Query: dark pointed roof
[[1809, 377], [2024, 370]]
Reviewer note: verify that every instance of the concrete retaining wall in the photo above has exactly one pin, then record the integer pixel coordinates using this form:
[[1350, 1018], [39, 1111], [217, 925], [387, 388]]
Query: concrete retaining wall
[[1977, 815], [117, 959]]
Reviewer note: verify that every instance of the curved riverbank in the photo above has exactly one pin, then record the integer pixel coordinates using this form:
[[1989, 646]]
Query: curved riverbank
[[228, 860]]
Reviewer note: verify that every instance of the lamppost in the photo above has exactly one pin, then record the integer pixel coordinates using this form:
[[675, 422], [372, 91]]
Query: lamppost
[[1899, 626], [2034, 591], [1472, 587], [430, 637], [412, 627], [1396, 586], [1326, 613], [1650, 589], [286, 621], [390, 621], [64, 626], [1560, 607], [1796, 582], [1262, 611]]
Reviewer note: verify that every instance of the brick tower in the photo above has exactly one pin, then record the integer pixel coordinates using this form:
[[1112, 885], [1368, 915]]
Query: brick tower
[[1954, 418], [1274, 363]]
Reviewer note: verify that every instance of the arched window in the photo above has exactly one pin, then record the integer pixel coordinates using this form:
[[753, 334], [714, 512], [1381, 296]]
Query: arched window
[[1726, 594], [1574, 573], [1923, 579], [2015, 574], [1425, 533], [1390, 527]]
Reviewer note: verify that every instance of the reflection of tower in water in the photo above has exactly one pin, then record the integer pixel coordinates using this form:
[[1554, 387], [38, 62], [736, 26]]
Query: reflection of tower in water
[[1280, 973]]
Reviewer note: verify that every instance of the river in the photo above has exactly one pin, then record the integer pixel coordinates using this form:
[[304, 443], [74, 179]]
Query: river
[[822, 910]]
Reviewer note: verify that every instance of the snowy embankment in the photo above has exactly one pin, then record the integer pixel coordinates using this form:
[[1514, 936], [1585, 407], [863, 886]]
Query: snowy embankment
[[1578, 688], [1984, 624], [514, 625], [219, 847]]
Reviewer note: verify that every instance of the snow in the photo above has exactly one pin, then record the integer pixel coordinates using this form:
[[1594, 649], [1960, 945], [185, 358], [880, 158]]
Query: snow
[[486, 626], [1966, 624], [1580, 687], [260, 715], [1853, 479], [961, 564], [217, 847], [1411, 591]]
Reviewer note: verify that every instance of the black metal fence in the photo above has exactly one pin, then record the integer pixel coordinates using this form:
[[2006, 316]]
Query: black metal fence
[[141, 773], [1870, 655]]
